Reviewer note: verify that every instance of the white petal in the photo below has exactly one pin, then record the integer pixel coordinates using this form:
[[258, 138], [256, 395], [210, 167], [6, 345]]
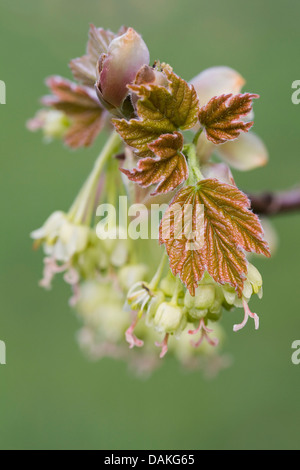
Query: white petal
[[247, 291], [216, 81], [218, 170], [204, 147], [54, 222], [38, 234], [60, 252], [245, 153], [50, 227], [74, 238], [82, 234], [270, 234]]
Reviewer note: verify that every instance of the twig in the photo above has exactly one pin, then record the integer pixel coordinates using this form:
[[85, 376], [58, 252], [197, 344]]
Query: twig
[[273, 203]]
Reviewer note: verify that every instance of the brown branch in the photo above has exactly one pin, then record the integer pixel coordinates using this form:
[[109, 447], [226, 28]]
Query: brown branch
[[274, 203]]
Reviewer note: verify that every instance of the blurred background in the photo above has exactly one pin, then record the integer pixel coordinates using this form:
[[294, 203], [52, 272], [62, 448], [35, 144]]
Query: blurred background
[[51, 396]]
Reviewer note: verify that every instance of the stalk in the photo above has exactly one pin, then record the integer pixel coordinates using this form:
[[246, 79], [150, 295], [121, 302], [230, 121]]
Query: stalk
[[81, 209]]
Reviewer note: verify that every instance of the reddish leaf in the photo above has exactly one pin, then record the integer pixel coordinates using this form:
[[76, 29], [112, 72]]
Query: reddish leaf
[[84, 68], [81, 105], [221, 117], [161, 110], [227, 228], [168, 167]]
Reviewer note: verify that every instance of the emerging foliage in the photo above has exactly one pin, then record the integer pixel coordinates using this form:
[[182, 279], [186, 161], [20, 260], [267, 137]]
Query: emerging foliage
[[160, 111], [168, 167], [207, 228], [84, 68], [229, 227], [80, 103], [221, 117]]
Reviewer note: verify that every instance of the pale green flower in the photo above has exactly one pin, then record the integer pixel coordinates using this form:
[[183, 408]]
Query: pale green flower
[[169, 318], [53, 123], [61, 237]]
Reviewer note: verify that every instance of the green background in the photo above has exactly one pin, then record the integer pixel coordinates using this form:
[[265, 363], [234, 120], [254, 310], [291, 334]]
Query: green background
[[50, 395]]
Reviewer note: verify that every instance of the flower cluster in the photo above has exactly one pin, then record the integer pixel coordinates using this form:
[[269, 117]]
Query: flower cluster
[[171, 310], [204, 269]]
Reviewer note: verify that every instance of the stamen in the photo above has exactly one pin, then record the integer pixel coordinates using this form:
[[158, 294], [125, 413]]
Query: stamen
[[248, 314], [143, 305], [204, 335], [76, 295], [138, 299], [132, 290], [134, 296], [131, 339], [194, 332], [163, 346], [72, 277], [50, 269]]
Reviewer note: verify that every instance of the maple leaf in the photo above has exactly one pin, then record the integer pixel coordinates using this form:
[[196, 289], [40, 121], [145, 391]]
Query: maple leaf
[[221, 117], [227, 228], [168, 167], [160, 111], [81, 104]]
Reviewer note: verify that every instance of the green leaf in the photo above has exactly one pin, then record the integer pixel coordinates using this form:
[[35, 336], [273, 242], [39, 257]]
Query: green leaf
[[161, 110]]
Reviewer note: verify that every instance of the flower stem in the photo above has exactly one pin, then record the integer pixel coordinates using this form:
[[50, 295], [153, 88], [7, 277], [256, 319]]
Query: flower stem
[[81, 210], [157, 276], [195, 174], [176, 292], [197, 135]]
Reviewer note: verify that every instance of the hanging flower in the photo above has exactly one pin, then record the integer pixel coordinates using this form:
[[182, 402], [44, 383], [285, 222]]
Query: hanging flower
[[61, 237], [54, 124]]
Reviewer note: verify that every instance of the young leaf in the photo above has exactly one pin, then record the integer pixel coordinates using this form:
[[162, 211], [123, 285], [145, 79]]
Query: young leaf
[[227, 228], [183, 218], [221, 117], [177, 106], [168, 167], [80, 103], [138, 134], [84, 68], [160, 110]]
